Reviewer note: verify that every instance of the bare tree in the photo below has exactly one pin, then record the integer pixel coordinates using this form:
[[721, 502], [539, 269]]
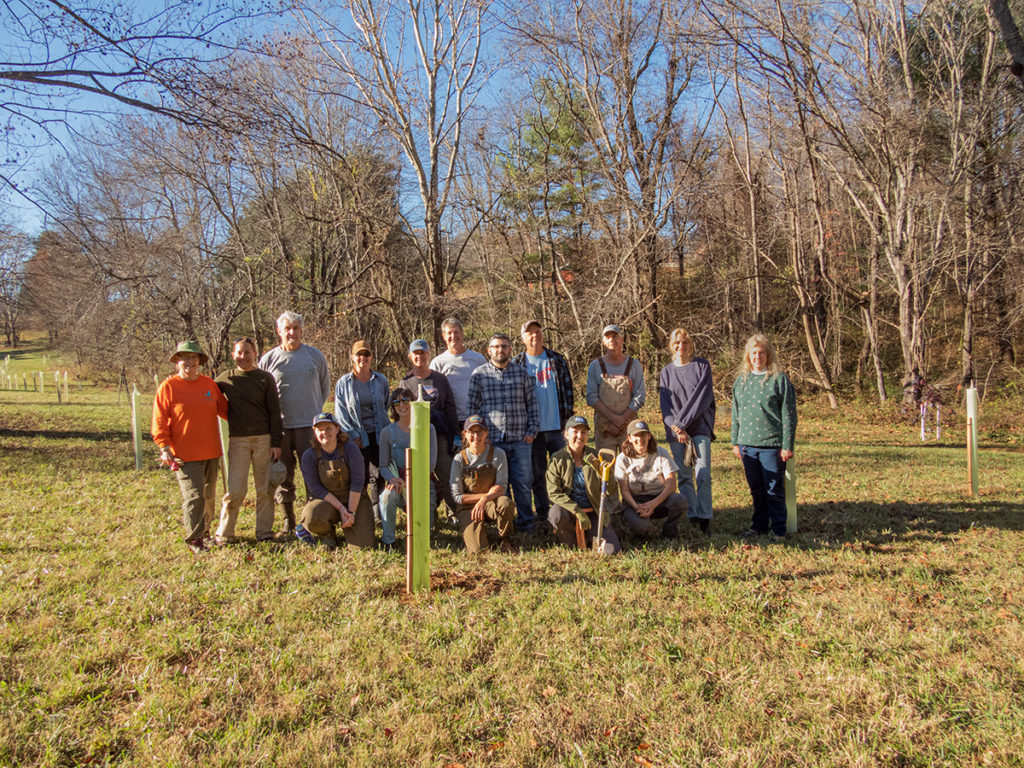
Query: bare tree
[[416, 67]]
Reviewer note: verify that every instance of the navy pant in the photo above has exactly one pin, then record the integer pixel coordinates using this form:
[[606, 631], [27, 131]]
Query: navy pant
[[544, 445], [766, 476], [520, 480]]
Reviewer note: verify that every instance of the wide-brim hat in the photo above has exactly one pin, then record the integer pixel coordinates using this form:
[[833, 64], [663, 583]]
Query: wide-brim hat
[[189, 347]]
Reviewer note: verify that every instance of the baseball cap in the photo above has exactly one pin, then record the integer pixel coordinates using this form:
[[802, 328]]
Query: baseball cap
[[528, 323], [474, 421], [420, 345], [637, 426], [320, 418], [577, 422], [611, 329]]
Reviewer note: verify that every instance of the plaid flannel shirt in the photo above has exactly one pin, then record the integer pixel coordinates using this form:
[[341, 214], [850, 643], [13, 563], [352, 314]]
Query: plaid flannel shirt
[[505, 399], [563, 383]]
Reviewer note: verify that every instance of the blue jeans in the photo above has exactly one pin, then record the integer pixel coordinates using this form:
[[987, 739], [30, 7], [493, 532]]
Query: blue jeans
[[698, 499], [766, 476], [390, 503], [545, 445], [520, 480]]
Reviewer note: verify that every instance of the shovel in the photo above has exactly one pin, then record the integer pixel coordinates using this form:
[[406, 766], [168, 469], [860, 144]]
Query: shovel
[[605, 460]]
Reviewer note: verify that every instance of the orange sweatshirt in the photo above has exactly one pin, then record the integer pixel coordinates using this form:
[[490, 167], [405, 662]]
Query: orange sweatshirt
[[185, 417]]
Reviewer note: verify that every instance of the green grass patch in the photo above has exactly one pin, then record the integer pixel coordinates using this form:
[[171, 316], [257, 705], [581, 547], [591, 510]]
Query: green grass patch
[[887, 632]]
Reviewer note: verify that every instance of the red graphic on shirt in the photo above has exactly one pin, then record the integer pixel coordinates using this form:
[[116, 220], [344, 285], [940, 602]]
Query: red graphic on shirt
[[544, 375]]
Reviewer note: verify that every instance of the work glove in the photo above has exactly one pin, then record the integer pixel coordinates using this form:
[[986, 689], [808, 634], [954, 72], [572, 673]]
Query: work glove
[[584, 520]]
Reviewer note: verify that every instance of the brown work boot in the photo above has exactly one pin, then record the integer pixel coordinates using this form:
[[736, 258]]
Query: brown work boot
[[288, 508]]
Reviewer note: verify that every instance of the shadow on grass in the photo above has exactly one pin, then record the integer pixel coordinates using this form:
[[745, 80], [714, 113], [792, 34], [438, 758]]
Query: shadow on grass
[[875, 523]]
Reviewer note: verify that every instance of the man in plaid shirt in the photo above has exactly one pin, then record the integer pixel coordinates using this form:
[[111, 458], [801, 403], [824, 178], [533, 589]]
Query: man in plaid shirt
[[502, 393]]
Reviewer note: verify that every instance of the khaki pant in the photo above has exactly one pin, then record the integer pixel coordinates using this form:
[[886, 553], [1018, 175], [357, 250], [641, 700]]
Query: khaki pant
[[243, 451], [198, 483], [500, 511], [320, 519]]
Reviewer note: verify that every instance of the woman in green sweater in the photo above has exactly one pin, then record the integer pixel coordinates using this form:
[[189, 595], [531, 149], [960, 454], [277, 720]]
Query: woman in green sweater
[[763, 429]]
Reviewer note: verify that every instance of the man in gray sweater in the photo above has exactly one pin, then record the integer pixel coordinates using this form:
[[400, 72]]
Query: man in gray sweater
[[303, 386]]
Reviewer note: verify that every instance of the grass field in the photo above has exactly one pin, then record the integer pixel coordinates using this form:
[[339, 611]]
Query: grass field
[[886, 633]]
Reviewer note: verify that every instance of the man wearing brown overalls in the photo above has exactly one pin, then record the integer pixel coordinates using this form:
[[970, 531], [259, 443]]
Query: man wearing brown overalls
[[479, 478], [615, 390]]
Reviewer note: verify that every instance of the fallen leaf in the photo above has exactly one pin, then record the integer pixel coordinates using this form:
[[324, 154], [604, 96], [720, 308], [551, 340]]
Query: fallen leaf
[[549, 692]]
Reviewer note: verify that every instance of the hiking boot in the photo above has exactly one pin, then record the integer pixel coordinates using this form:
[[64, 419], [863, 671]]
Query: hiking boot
[[750, 533], [506, 547]]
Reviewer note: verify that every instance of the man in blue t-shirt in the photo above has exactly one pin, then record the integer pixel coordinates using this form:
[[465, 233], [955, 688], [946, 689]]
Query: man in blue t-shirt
[[553, 389]]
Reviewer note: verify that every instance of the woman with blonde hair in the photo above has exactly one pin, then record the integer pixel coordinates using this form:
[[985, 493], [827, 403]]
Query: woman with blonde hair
[[688, 411], [763, 432]]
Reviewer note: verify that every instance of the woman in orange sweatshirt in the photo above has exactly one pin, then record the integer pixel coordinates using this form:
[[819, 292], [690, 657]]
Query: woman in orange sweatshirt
[[186, 430]]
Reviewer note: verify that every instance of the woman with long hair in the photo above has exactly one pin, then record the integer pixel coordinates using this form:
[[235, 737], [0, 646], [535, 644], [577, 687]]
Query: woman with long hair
[[763, 432]]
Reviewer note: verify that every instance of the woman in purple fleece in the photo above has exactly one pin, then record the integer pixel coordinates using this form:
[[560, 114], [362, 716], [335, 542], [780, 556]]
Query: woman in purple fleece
[[688, 410]]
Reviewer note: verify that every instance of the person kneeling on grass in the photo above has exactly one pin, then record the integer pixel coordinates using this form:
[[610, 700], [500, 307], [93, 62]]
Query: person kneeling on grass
[[394, 440], [574, 487], [646, 475], [479, 478], [333, 469]]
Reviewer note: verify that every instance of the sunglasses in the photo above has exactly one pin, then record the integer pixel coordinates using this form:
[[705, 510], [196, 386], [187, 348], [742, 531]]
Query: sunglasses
[[364, 353], [402, 400]]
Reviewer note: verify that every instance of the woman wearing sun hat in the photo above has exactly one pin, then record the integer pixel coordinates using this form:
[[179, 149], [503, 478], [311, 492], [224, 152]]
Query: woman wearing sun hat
[[185, 428]]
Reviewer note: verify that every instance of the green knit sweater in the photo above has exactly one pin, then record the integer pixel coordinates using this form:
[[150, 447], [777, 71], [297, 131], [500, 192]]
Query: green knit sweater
[[764, 411]]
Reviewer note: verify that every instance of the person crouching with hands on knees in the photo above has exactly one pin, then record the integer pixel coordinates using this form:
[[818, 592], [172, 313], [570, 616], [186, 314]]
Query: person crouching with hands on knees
[[646, 474], [574, 487], [479, 478], [335, 476]]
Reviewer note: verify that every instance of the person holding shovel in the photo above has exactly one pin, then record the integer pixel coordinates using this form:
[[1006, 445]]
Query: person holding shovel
[[185, 428], [615, 390], [646, 475], [574, 487]]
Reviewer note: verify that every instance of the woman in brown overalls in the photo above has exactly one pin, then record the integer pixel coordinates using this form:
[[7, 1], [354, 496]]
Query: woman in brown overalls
[[479, 478], [333, 469], [615, 390]]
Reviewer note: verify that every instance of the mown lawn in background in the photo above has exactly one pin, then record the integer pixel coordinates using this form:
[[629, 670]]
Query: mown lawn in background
[[887, 632]]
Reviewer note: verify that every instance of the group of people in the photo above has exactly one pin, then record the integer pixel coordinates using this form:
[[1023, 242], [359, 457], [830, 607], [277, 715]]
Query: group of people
[[506, 447]]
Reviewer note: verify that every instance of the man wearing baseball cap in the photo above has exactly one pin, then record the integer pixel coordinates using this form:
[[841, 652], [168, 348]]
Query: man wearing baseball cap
[[478, 479], [615, 390], [554, 392], [433, 387]]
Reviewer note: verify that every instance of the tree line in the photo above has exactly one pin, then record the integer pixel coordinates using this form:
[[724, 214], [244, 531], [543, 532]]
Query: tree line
[[840, 175]]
